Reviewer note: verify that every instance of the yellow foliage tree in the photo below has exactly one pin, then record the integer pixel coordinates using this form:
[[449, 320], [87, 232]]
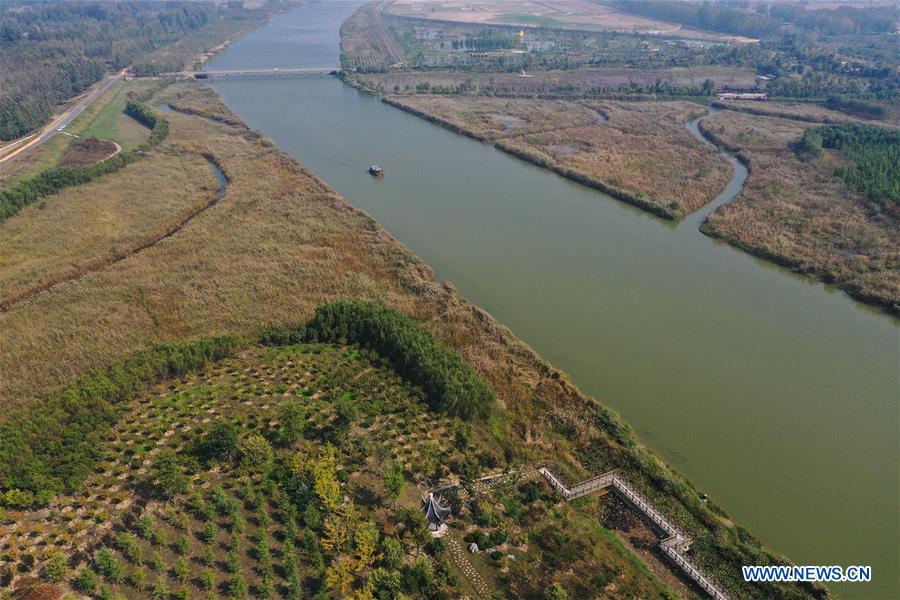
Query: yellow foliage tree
[[339, 525], [325, 483], [365, 539], [339, 578]]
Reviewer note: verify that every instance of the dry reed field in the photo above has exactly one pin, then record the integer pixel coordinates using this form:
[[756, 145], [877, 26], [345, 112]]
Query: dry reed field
[[99, 221], [640, 149], [800, 215]]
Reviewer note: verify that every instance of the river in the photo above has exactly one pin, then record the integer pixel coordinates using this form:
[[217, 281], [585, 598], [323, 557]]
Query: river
[[776, 395]]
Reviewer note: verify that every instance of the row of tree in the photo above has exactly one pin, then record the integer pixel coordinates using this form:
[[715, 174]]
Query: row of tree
[[54, 444], [767, 20], [55, 179], [450, 384]]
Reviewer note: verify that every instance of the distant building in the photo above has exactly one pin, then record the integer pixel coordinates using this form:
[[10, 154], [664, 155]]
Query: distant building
[[759, 97]]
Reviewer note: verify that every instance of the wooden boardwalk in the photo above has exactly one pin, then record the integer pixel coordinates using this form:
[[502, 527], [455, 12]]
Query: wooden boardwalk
[[674, 545]]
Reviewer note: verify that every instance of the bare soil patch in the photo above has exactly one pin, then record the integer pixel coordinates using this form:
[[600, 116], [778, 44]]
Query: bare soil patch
[[85, 151]]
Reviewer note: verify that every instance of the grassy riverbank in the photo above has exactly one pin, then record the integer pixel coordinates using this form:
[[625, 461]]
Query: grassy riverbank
[[282, 242], [799, 214], [637, 152]]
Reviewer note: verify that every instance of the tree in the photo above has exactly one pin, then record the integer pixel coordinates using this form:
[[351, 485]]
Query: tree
[[344, 415], [393, 483], [418, 577], [171, 479], [237, 587], [392, 552], [138, 579], [220, 441], [365, 540], [57, 567], [266, 588], [182, 546], [208, 579], [291, 423], [182, 570], [108, 566], [130, 548], [325, 483], [256, 452], [86, 581], [556, 592], [338, 526], [160, 589], [339, 578]]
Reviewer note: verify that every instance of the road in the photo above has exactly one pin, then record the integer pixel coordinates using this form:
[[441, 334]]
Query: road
[[24, 145]]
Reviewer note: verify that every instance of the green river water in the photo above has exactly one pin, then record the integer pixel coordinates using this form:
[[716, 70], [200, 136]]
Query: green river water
[[776, 395]]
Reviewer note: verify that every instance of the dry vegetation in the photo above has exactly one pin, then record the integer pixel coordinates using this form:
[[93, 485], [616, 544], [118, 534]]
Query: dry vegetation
[[569, 14], [799, 111], [799, 214], [562, 83], [99, 222], [642, 153], [280, 243]]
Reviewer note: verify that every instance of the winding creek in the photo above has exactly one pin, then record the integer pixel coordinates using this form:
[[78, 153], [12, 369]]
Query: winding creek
[[776, 395]]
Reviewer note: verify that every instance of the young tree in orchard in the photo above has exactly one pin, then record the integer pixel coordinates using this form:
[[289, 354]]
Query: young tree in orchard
[[171, 479], [365, 540], [339, 578], [291, 423], [57, 567], [256, 452], [556, 592], [393, 483], [324, 475], [339, 526]]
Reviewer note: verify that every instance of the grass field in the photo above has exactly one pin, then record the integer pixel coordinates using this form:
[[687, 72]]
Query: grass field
[[279, 243], [799, 214]]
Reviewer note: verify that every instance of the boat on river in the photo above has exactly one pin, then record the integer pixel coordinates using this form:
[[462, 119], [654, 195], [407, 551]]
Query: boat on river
[[376, 171]]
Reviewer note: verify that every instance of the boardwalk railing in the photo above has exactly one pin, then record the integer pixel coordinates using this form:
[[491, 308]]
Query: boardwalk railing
[[673, 545]]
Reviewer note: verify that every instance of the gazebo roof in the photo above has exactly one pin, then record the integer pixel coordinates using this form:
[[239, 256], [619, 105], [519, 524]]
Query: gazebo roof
[[434, 512]]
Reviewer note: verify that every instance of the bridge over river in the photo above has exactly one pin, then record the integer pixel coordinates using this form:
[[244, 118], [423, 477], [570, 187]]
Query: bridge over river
[[272, 73]]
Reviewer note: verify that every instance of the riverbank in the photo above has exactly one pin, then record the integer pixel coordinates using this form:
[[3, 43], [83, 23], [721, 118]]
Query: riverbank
[[638, 153], [798, 215]]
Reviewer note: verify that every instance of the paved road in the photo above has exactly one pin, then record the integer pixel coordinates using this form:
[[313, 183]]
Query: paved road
[[25, 145]]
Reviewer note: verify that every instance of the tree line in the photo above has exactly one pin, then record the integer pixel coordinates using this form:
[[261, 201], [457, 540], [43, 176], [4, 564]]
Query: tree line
[[450, 384], [52, 445], [873, 153], [55, 179], [766, 20], [51, 51]]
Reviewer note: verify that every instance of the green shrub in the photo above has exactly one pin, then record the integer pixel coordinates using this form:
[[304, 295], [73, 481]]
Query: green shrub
[[86, 581], [57, 567]]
